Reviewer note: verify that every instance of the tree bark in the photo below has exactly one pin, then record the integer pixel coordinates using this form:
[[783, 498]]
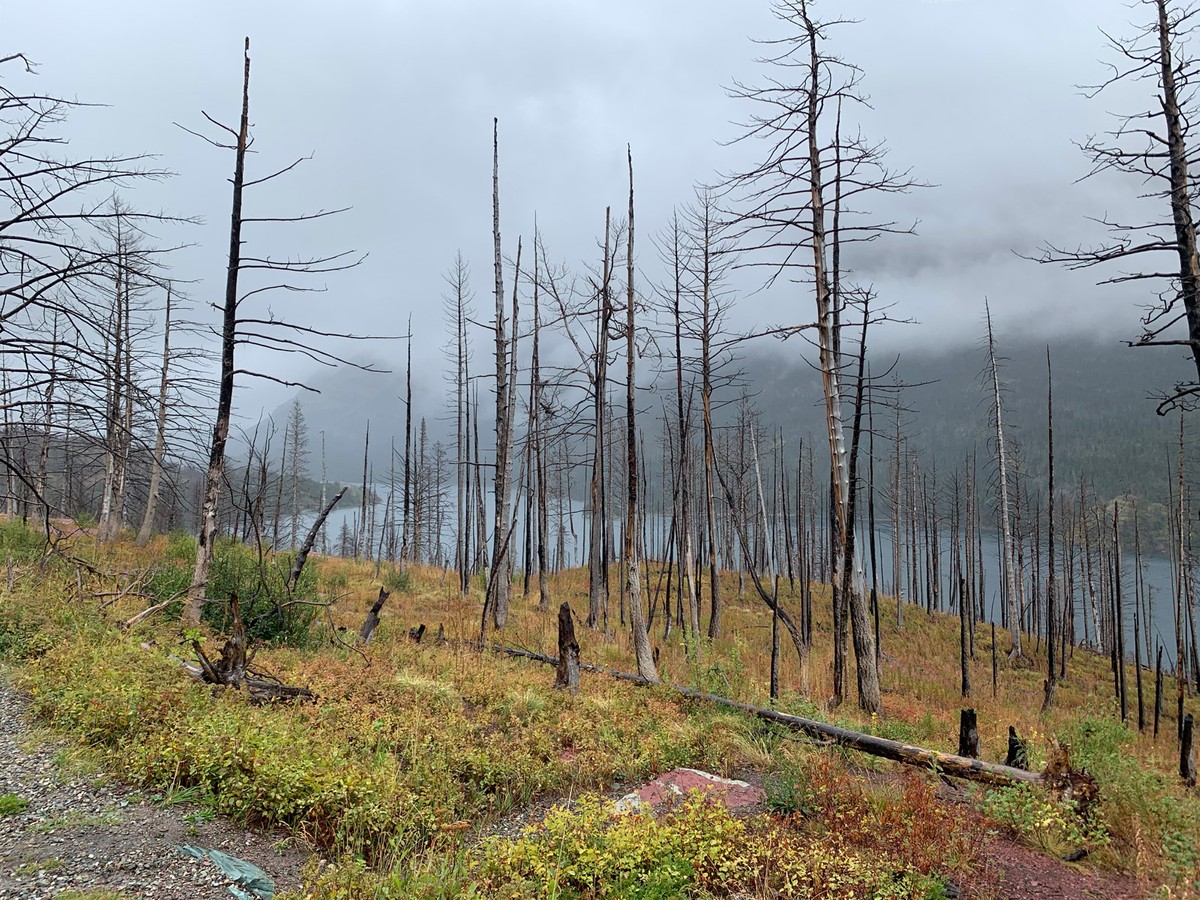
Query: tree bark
[[641, 641], [567, 677], [216, 459], [160, 433], [372, 621]]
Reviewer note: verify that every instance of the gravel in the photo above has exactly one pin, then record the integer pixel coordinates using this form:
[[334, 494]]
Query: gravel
[[80, 833]]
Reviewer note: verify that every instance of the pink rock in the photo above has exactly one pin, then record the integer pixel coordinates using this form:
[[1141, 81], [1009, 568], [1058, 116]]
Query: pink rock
[[673, 786]]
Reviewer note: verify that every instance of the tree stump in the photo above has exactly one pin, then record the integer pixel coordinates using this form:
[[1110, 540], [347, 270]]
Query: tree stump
[[232, 667], [372, 620], [1187, 760], [968, 734], [1018, 755], [567, 677]]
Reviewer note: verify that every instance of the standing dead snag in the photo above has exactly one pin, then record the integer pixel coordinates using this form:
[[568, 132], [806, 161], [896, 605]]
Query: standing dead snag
[[216, 458], [1010, 573], [160, 432], [240, 326], [500, 584], [1048, 698], [641, 641], [1156, 152], [568, 653], [787, 202]]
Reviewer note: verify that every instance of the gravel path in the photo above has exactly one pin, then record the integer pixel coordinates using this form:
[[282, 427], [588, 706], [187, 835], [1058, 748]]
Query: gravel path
[[79, 834]]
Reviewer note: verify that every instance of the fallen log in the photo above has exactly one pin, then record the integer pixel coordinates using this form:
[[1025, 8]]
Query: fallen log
[[945, 763]]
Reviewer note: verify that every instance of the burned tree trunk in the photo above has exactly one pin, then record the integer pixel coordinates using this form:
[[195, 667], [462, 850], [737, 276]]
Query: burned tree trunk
[[216, 459], [1051, 618], [306, 548], [1010, 574], [568, 653], [968, 734], [641, 641], [1187, 760], [372, 621]]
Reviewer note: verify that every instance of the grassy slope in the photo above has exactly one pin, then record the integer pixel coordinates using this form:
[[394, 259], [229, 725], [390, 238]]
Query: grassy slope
[[412, 750]]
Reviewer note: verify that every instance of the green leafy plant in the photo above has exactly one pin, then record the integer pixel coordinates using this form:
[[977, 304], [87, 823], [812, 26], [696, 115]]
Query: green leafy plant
[[1028, 810]]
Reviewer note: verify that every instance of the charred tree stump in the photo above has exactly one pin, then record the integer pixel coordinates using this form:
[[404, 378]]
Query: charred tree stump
[[1187, 760], [968, 734], [567, 677], [1018, 754], [372, 621], [232, 667]]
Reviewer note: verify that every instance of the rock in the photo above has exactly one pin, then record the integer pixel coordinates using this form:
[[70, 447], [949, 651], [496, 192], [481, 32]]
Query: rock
[[670, 788]]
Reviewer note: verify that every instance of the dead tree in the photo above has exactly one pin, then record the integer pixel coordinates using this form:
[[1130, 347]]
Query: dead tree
[[160, 432], [306, 548], [1154, 146], [567, 677], [783, 209], [1006, 539], [641, 641], [500, 583], [240, 327], [56, 250], [372, 620], [1051, 616]]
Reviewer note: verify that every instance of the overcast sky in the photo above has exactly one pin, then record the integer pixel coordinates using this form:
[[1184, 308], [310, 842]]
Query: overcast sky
[[395, 101]]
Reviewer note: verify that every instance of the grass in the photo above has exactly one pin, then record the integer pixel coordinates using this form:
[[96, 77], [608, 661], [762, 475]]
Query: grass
[[412, 750], [77, 820], [32, 867], [12, 805]]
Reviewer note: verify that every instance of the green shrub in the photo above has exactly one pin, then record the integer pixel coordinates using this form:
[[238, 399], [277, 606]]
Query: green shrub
[[260, 587], [22, 633], [1028, 810], [20, 543], [1133, 795], [181, 547], [11, 805], [397, 580]]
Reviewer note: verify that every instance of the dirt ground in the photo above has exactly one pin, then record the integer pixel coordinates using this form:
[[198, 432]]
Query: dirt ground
[[86, 834]]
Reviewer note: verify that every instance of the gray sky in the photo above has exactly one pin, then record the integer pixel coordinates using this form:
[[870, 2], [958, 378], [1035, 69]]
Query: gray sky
[[396, 102]]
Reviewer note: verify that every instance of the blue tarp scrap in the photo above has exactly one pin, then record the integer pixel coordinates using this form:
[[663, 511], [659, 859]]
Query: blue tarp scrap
[[252, 882]]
